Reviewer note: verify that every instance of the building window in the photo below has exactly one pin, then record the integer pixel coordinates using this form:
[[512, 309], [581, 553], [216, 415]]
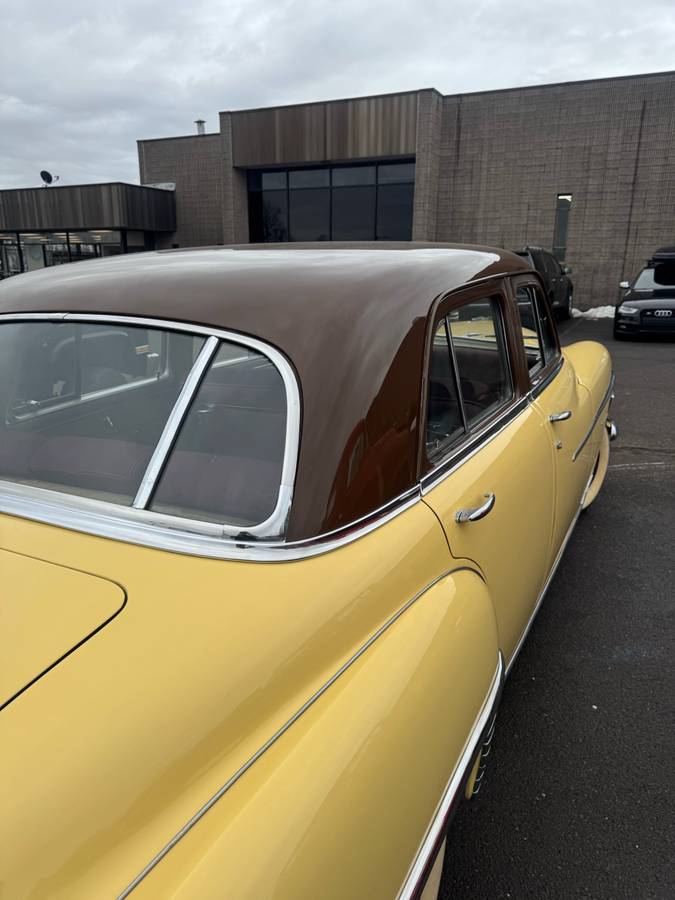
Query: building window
[[562, 216], [25, 251], [361, 202]]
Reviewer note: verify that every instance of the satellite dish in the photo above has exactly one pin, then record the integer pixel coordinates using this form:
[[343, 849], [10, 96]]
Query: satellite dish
[[48, 178]]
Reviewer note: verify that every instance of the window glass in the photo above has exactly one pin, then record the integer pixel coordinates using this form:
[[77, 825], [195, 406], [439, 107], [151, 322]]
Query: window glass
[[547, 328], [478, 340], [309, 214], [394, 212], [353, 214], [658, 276], [274, 181], [344, 176], [308, 178], [275, 216], [395, 173], [227, 461], [82, 406], [444, 414], [366, 202], [528, 324]]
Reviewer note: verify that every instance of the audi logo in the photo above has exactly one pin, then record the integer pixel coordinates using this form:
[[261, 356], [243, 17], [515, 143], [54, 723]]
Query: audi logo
[[663, 312]]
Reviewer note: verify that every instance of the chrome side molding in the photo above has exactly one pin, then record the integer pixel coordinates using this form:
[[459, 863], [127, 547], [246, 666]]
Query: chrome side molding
[[426, 855], [605, 400]]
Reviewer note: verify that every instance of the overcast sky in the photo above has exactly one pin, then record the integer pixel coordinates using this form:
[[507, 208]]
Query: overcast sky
[[80, 82]]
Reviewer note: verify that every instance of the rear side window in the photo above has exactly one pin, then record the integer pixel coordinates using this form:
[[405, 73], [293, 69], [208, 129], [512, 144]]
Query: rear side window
[[227, 461], [82, 406], [469, 377]]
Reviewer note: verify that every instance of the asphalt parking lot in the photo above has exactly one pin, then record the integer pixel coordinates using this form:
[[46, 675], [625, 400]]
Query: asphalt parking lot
[[579, 800]]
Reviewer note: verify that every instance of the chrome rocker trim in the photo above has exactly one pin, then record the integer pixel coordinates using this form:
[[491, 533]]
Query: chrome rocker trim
[[607, 398], [490, 702], [426, 855]]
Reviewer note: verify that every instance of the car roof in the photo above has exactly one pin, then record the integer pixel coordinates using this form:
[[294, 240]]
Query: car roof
[[351, 318]]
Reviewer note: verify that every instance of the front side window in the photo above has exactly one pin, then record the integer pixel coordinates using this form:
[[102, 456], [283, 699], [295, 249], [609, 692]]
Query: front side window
[[538, 331], [84, 407], [469, 374]]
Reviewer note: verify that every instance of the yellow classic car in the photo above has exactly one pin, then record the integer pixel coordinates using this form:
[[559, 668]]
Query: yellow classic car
[[274, 524]]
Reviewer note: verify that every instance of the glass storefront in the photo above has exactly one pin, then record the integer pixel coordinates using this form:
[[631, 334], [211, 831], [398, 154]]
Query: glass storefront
[[26, 251], [364, 202]]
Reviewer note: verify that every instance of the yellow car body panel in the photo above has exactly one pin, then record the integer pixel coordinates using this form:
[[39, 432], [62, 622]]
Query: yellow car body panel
[[369, 746], [46, 611], [206, 662], [511, 550]]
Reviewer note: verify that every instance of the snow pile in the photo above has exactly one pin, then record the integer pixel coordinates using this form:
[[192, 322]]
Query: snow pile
[[598, 312]]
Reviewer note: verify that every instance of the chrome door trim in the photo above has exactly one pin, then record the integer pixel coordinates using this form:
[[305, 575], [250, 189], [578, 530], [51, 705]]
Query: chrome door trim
[[465, 452], [273, 527], [174, 423], [605, 399], [420, 868], [293, 719]]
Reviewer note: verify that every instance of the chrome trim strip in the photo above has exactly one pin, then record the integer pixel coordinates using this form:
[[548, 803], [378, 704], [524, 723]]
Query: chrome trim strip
[[173, 424], [284, 728], [462, 454], [419, 869], [605, 399], [177, 535], [272, 527], [547, 379]]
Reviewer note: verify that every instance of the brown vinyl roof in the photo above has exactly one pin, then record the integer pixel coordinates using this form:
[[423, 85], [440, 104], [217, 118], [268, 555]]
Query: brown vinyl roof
[[350, 318]]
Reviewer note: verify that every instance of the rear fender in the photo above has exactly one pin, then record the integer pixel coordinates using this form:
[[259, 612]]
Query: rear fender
[[352, 799]]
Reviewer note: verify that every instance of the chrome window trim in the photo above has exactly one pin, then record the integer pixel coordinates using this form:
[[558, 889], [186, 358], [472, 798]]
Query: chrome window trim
[[74, 509], [461, 454], [174, 423], [211, 802], [603, 404], [175, 535], [417, 874]]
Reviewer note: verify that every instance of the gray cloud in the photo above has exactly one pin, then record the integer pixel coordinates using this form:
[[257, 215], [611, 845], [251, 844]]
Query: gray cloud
[[80, 82]]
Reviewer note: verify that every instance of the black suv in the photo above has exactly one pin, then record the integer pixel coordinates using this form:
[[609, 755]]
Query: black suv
[[647, 304], [555, 275]]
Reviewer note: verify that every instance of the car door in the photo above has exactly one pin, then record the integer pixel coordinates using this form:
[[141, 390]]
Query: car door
[[562, 403], [488, 458]]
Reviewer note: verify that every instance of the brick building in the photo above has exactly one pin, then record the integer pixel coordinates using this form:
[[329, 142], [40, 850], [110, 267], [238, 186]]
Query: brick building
[[592, 161]]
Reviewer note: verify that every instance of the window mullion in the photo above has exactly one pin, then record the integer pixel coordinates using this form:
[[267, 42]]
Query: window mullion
[[455, 371]]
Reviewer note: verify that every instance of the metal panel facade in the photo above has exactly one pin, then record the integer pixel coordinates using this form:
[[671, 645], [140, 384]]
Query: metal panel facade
[[81, 207]]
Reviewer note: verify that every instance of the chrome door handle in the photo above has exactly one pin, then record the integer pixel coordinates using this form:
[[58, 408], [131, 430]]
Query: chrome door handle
[[561, 416], [473, 515]]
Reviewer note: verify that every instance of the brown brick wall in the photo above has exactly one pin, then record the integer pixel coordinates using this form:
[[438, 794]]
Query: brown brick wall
[[194, 164], [505, 156]]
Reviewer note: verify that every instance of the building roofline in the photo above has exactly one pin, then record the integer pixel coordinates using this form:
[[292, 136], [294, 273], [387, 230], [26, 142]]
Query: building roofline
[[88, 184], [556, 84], [522, 87], [179, 137], [334, 100]]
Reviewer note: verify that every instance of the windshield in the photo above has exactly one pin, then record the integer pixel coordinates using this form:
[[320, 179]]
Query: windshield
[[660, 276], [83, 407]]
